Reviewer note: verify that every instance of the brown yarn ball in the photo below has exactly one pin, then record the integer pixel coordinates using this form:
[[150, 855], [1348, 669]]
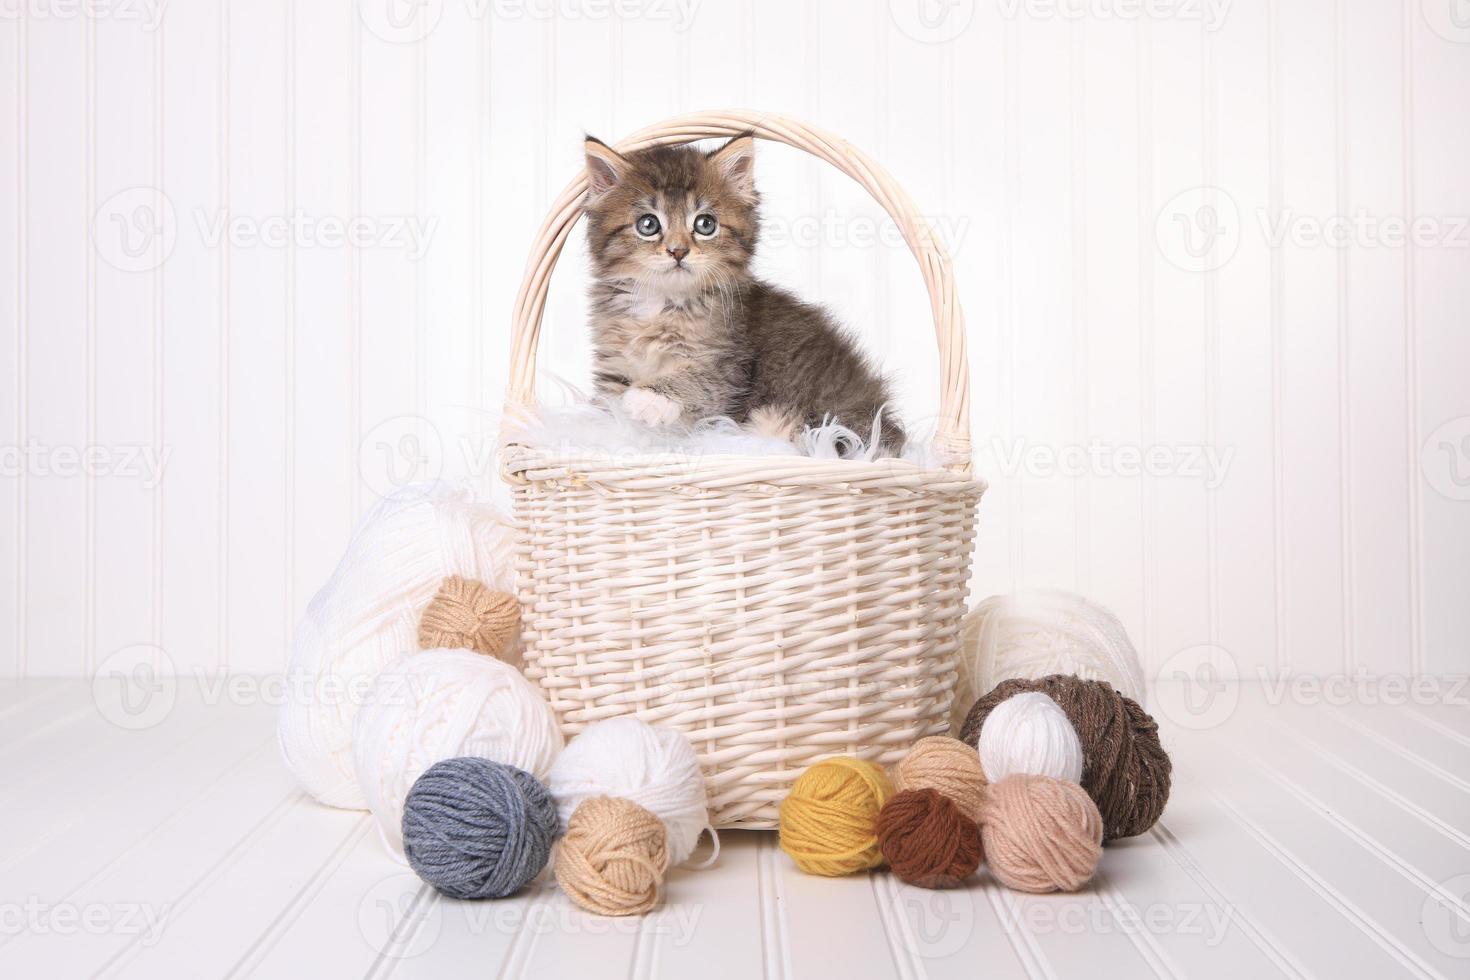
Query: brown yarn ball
[[1041, 834], [945, 764], [1125, 769], [926, 840], [466, 614], [613, 857]]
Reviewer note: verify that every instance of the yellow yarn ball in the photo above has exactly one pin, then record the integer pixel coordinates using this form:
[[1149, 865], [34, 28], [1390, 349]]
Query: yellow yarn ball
[[829, 820], [948, 766]]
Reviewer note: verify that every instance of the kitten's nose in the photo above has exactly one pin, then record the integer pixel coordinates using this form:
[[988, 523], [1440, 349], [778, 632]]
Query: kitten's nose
[[678, 252]]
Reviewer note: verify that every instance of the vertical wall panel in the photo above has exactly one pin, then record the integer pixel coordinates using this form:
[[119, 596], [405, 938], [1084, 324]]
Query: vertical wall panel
[[1310, 418], [193, 358], [257, 267], [292, 377], [12, 299], [1439, 80], [1246, 529], [980, 191], [54, 321], [1042, 342], [1376, 399], [391, 340], [1174, 351], [1113, 572], [124, 333], [320, 183]]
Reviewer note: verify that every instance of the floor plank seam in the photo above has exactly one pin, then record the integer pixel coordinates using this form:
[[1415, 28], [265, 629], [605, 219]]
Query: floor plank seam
[[1330, 894], [1263, 940]]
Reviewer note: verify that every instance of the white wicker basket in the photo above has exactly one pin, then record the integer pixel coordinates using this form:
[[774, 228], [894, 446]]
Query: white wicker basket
[[778, 610]]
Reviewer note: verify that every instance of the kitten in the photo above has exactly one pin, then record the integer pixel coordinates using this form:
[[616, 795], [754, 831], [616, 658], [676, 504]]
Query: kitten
[[683, 331]]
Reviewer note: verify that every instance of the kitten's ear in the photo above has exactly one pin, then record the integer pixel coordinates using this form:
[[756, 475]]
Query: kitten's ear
[[606, 167], [736, 163]]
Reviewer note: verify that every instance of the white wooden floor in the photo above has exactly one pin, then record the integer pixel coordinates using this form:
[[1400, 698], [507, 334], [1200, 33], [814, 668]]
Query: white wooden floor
[[1302, 840]]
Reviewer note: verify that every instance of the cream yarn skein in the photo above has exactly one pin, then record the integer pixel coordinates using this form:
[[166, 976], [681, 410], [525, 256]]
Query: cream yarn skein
[[655, 768], [368, 613], [440, 704], [1036, 632], [1030, 733]]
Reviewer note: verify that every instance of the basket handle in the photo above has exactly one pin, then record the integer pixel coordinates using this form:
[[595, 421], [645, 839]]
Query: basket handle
[[952, 438]]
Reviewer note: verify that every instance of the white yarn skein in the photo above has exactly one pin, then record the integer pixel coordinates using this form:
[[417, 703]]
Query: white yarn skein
[[1030, 733], [655, 768], [1036, 632], [368, 613], [440, 704]]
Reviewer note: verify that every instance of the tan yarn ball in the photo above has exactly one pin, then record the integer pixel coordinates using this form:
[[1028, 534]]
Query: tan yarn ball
[[613, 857], [1041, 834], [466, 614], [946, 765]]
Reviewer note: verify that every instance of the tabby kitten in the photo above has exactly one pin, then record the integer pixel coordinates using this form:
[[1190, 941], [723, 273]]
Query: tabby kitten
[[683, 331]]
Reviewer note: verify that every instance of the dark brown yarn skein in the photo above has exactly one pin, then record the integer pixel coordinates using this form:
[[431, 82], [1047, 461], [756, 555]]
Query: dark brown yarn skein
[[1125, 770], [926, 840]]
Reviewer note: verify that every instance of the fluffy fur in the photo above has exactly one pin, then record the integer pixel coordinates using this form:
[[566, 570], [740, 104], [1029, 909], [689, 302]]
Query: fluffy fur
[[681, 329]]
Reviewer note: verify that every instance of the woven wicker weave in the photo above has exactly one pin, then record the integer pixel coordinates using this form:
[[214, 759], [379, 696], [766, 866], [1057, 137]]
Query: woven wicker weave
[[778, 610]]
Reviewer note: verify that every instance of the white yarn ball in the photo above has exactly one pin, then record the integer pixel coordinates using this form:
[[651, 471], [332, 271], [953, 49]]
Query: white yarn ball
[[1036, 632], [1030, 733], [439, 704], [368, 613], [655, 768]]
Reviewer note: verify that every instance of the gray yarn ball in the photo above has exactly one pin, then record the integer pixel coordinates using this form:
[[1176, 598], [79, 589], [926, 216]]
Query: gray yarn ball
[[473, 828]]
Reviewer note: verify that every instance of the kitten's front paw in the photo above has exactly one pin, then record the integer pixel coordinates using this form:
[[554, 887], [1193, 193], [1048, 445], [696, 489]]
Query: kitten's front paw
[[651, 408]]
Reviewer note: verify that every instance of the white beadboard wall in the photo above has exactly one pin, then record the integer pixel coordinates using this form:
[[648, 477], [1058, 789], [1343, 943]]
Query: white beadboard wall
[[1071, 154]]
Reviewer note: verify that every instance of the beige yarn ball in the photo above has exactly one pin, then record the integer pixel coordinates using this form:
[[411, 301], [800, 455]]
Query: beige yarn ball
[[1041, 834], [613, 857], [1037, 632], [468, 614], [946, 765]]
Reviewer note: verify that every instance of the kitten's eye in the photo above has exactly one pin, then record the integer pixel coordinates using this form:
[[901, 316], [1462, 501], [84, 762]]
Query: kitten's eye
[[705, 225], [647, 226]]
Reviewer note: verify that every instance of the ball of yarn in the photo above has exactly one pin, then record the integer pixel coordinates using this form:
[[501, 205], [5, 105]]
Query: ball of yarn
[[439, 704], [926, 840], [1036, 632], [368, 613], [1124, 768], [1041, 834], [829, 820], [473, 828], [945, 764], [613, 857], [469, 614], [655, 768], [1029, 733]]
